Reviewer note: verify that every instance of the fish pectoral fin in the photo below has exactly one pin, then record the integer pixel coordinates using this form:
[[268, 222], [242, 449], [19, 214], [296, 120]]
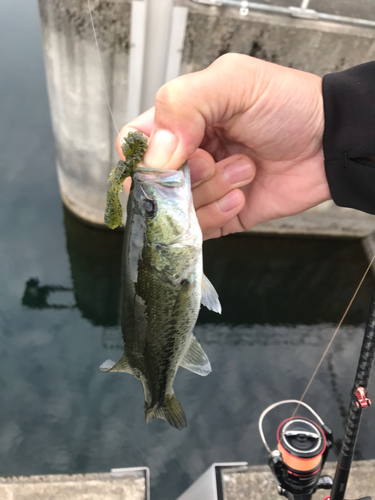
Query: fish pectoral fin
[[107, 365], [121, 366], [210, 298], [171, 411], [195, 359]]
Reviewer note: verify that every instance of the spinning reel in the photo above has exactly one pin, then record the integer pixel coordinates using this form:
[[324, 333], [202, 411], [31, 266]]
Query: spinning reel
[[303, 444], [301, 452]]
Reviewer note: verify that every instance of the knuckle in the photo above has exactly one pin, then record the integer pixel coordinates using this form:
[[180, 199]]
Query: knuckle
[[171, 93], [231, 60]]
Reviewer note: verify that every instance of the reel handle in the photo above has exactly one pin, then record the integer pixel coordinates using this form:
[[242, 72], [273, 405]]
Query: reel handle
[[324, 483]]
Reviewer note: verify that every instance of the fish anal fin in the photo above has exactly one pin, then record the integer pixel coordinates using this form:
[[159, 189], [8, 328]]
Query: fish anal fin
[[171, 411], [195, 359], [122, 365], [210, 298]]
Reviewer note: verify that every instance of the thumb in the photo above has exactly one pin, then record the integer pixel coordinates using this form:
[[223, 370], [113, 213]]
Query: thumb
[[188, 105]]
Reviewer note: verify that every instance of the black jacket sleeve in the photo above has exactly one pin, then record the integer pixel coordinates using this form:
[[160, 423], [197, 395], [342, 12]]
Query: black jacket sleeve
[[349, 136]]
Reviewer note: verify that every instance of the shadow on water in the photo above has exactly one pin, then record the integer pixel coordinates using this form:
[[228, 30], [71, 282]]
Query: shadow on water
[[262, 280], [286, 280], [36, 296], [95, 264]]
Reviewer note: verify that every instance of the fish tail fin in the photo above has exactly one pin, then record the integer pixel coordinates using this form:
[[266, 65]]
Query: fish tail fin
[[171, 411]]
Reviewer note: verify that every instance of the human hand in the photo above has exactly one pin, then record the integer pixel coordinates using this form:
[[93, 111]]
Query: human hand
[[252, 132]]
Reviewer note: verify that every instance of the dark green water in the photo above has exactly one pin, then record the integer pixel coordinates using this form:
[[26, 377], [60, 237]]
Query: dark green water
[[281, 298]]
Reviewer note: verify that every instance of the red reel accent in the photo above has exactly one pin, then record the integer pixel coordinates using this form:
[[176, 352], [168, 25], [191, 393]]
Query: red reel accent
[[363, 400]]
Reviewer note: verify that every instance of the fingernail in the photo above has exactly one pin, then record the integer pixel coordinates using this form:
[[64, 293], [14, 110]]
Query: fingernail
[[160, 150], [199, 169], [238, 171], [228, 202]]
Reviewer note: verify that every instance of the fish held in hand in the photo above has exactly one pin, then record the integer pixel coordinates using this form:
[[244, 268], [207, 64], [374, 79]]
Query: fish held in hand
[[163, 287]]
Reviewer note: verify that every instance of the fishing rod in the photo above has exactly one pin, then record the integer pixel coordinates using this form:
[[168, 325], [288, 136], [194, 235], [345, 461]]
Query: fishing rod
[[303, 444]]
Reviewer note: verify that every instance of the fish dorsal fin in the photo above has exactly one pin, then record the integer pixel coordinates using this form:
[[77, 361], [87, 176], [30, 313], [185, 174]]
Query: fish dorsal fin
[[121, 366], [210, 298], [196, 359], [171, 411]]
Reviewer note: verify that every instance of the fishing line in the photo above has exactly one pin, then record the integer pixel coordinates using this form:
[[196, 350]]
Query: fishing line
[[102, 68], [333, 336]]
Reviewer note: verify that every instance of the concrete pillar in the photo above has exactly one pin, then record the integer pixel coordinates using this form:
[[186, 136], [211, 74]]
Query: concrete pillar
[[84, 131]]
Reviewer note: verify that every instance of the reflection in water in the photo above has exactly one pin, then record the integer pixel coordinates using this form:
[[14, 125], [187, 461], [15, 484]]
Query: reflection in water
[[36, 296], [95, 263], [247, 335], [272, 280], [287, 280]]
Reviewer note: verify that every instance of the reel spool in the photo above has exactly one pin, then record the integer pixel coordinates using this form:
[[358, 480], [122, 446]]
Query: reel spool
[[301, 443], [300, 455]]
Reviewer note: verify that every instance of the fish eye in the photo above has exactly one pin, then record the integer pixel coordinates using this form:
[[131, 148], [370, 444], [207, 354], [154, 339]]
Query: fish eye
[[149, 207]]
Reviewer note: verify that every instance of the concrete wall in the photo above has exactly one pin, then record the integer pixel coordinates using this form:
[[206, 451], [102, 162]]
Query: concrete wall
[[316, 46], [358, 8], [129, 486]]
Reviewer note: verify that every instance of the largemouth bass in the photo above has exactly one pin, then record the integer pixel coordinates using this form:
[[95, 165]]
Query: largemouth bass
[[163, 287]]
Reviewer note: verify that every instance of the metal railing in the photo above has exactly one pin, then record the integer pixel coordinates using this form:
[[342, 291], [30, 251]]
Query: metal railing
[[302, 12]]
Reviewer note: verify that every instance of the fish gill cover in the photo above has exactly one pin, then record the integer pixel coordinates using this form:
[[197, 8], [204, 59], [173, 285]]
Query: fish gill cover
[[133, 147]]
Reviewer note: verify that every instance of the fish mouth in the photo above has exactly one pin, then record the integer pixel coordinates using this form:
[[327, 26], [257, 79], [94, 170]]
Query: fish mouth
[[153, 170], [161, 176], [141, 168]]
